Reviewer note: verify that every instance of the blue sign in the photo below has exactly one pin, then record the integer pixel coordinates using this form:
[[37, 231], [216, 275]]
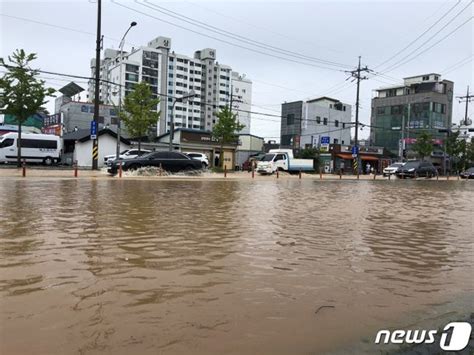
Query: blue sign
[[325, 140], [93, 130], [355, 150]]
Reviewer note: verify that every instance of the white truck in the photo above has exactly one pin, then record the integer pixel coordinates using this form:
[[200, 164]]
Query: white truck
[[283, 160]]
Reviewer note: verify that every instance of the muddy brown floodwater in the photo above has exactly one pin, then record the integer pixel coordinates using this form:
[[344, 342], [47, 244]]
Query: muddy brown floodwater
[[213, 267]]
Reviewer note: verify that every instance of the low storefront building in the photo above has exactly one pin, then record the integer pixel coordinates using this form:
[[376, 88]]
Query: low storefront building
[[248, 145], [189, 140], [371, 159], [78, 146]]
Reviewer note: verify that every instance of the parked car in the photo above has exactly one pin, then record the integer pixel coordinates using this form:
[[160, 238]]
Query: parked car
[[467, 174], [127, 154], [417, 168], [392, 168], [253, 159], [199, 156], [169, 161]]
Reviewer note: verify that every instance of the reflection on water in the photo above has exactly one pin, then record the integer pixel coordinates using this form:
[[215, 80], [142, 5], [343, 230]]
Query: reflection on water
[[225, 266]]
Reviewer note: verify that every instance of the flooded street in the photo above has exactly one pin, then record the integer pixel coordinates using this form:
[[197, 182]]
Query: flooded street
[[269, 267]]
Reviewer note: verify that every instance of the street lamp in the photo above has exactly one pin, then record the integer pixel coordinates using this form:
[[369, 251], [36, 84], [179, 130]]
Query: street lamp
[[183, 98], [122, 42]]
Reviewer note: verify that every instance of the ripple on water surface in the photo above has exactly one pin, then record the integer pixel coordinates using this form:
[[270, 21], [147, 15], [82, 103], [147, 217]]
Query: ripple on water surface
[[216, 266]]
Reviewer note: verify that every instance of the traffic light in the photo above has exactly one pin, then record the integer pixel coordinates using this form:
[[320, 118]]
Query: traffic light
[[405, 153]]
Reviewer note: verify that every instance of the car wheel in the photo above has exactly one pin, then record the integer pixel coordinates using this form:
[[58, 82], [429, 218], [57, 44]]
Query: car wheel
[[48, 161], [133, 167], [204, 166]]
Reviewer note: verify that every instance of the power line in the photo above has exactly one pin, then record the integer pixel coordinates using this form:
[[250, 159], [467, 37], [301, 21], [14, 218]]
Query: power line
[[457, 65], [235, 36], [58, 27], [434, 44], [225, 41], [221, 14], [421, 35], [280, 117], [403, 61]]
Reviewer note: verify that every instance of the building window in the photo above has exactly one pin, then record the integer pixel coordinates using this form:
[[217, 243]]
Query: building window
[[336, 124], [290, 119], [336, 141], [131, 68], [318, 120], [325, 121], [426, 77]]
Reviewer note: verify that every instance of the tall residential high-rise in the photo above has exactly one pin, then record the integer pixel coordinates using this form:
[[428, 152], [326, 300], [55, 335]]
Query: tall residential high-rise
[[314, 122], [242, 100], [421, 103], [171, 76]]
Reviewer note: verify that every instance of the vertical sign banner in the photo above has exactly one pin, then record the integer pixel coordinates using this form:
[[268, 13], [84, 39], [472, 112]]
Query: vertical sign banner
[[93, 130]]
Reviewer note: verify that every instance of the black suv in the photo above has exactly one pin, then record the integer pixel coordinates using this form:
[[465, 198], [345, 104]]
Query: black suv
[[169, 161], [414, 169]]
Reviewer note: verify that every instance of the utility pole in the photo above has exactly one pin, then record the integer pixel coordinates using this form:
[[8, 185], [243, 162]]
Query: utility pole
[[95, 142], [356, 74], [467, 99], [467, 121]]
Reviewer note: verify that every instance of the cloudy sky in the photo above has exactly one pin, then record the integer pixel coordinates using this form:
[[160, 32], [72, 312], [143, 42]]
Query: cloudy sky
[[313, 43]]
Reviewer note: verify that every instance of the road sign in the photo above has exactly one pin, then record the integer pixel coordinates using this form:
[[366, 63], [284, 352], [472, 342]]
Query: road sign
[[355, 151], [93, 130], [325, 139]]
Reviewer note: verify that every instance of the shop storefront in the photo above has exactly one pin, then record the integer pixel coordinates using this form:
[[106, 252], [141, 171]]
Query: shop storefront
[[188, 140]]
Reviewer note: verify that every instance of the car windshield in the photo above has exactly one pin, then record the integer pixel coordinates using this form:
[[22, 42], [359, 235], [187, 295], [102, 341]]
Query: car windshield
[[470, 170], [411, 164], [124, 151], [396, 165], [268, 157], [147, 155]]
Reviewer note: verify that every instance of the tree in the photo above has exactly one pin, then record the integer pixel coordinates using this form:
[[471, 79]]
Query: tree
[[454, 148], [138, 114], [226, 129], [22, 93], [423, 145], [470, 152], [310, 153]]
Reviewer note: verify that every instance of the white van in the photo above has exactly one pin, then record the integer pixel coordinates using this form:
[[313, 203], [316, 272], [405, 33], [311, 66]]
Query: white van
[[35, 148]]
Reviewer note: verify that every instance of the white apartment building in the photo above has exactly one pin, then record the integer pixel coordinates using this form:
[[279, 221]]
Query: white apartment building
[[171, 76], [242, 100], [316, 122]]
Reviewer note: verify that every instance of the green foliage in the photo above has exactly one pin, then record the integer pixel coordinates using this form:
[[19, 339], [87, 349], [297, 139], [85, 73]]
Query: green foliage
[[226, 129], [22, 94], [137, 114], [310, 153], [424, 145], [227, 126], [470, 153]]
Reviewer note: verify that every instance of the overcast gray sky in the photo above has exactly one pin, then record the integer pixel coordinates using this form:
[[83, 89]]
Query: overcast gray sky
[[336, 31]]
